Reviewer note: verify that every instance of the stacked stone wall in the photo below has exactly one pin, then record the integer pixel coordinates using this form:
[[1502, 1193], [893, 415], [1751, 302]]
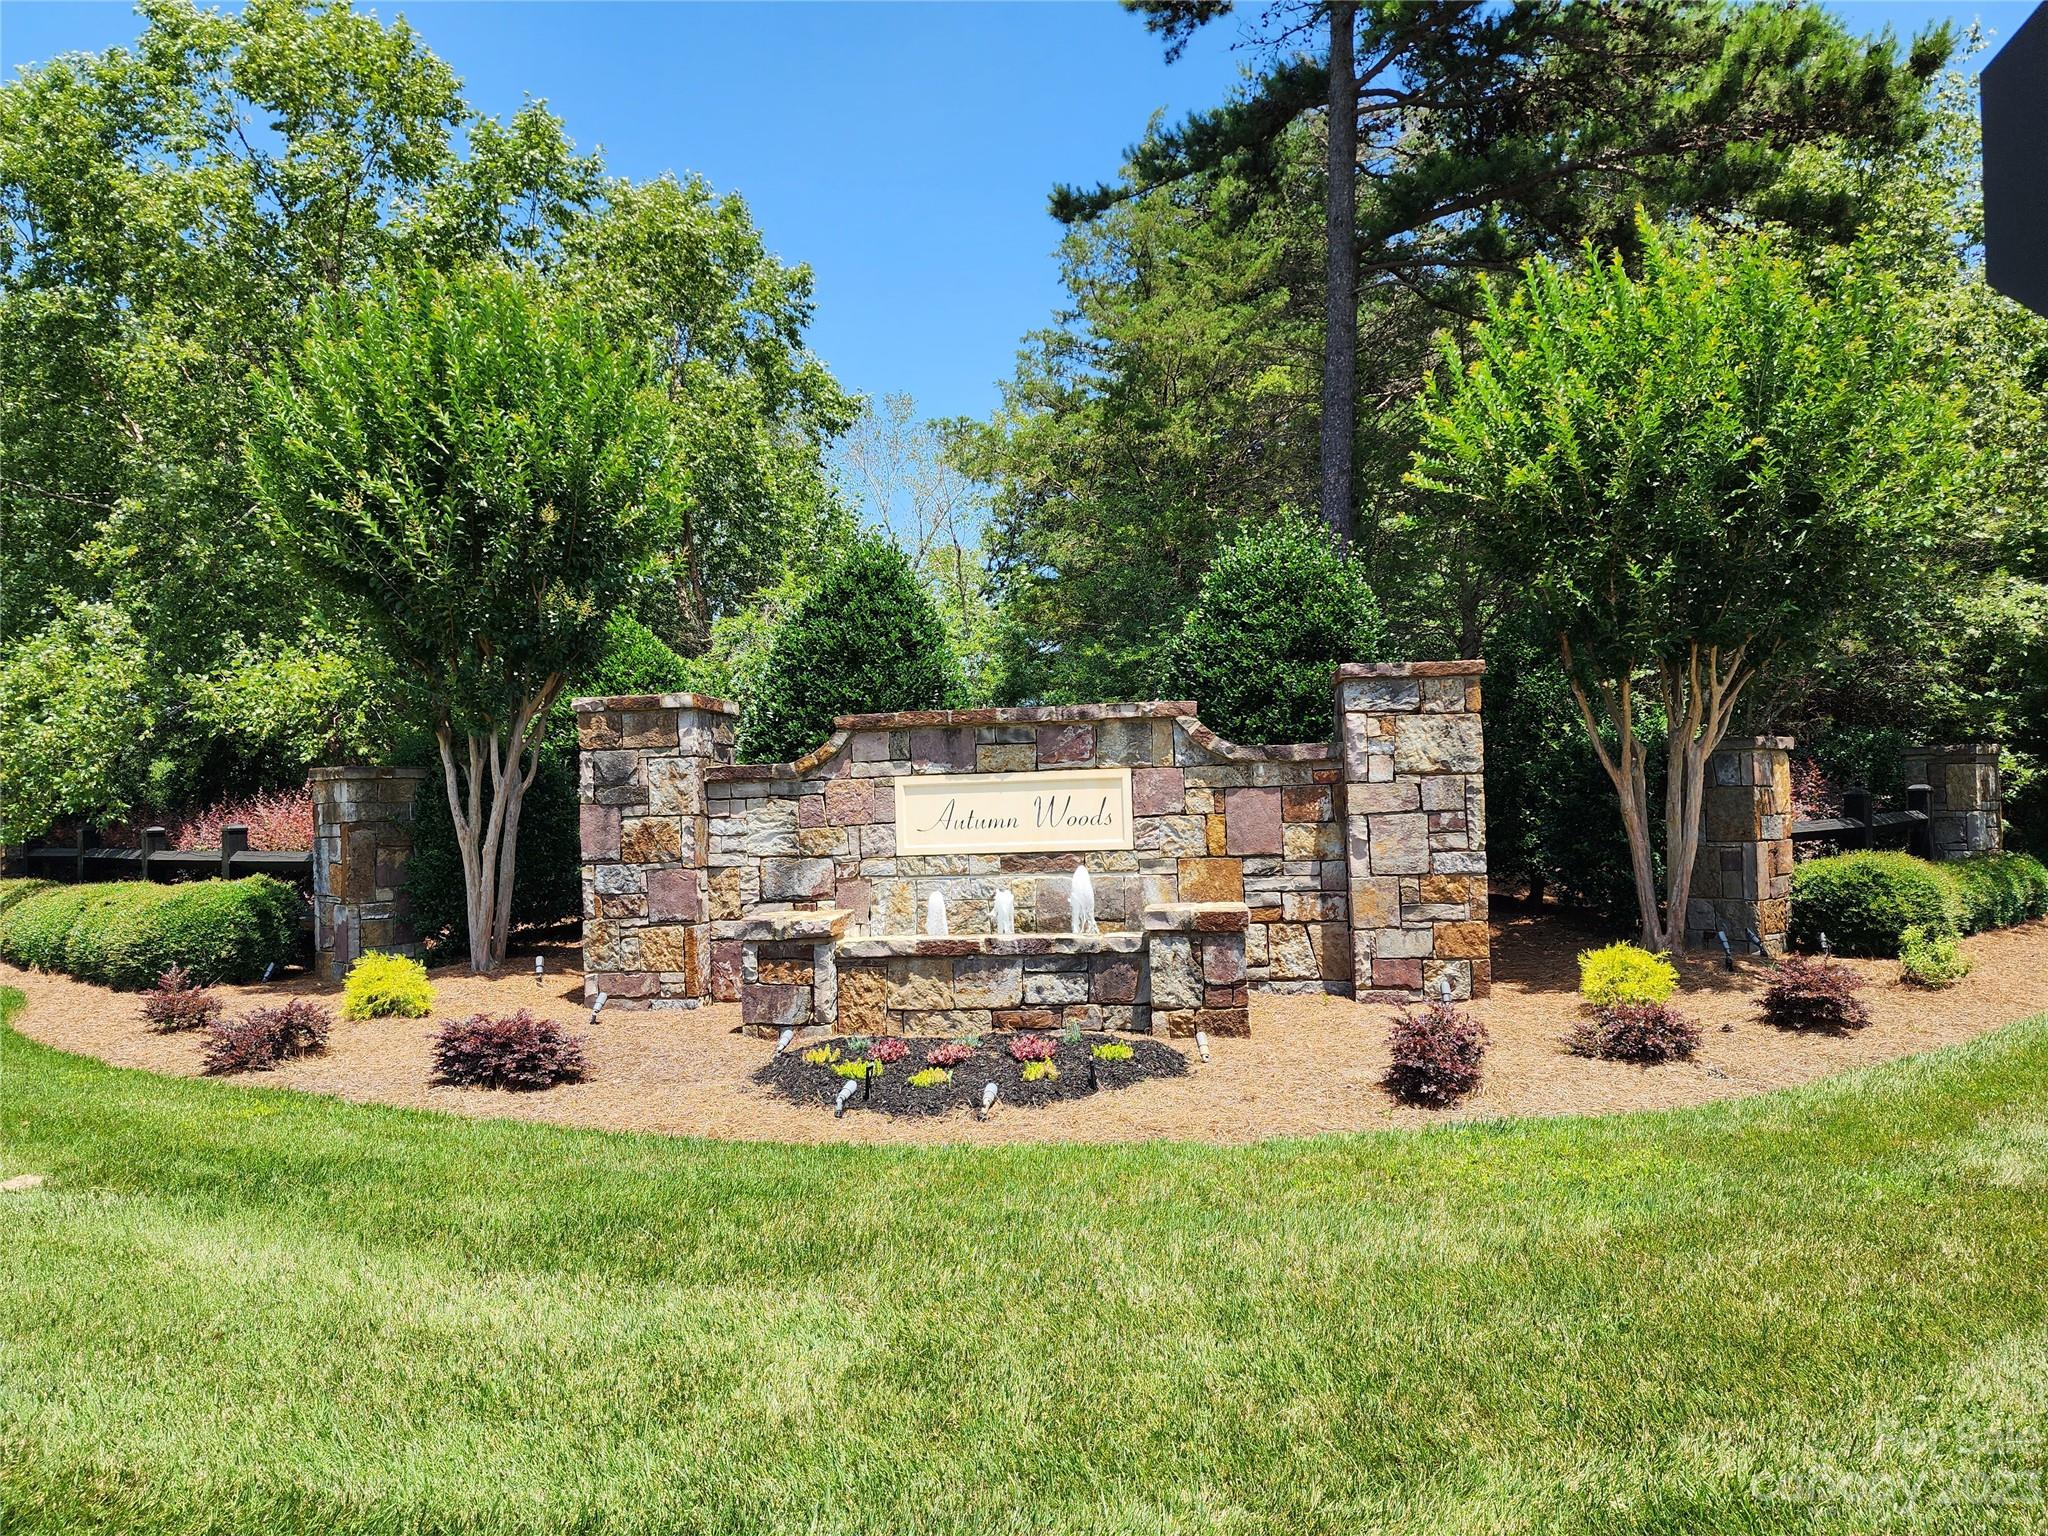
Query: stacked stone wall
[[1742, 877], [362, 845], [1965, 807]]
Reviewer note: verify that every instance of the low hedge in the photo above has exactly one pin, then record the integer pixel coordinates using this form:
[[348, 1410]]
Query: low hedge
[[1865, 902], [128, 933]]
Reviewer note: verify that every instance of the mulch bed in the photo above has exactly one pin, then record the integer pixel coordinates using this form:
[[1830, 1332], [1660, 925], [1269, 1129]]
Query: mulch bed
[[890, 1092]]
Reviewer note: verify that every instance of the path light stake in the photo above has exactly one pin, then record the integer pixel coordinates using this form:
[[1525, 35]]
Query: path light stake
[[839, 1104], [540, 970], [1443, 989], [1202, 1043], [1824, 950], [988, 1100], [597, 1005], [1092, 1084], [1756, 942], [1727, 954], [269, 970], [783, 1044]]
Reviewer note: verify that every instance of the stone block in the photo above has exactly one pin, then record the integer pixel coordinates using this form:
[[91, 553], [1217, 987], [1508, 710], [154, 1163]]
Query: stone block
[[988, 981], [1054, 988], [849, 802], [1252, 821], [863, 1001], [1065, 745], [794, 879], [1211, 880], [1114, 979], [1461, 941], [938, 748], [1312, 840], [1025, 1018], [1438, 744], [773, 1007], [1308, 802], [1380, 694], [1158, 791], [1005, 759], [1400, 844], [650, 840], [1176, 980], [923, 985], [599, 829], [1223, 962], [675, 786], [674, 896]]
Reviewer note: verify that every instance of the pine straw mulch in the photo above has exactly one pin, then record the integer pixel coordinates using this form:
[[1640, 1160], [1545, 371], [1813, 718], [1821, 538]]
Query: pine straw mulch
[[1312, 1065]]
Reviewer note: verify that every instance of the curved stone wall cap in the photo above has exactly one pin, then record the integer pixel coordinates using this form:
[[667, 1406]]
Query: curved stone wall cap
[[1957, 746], [632, 701], [1031, 714], [1351, 669], [329, 774]]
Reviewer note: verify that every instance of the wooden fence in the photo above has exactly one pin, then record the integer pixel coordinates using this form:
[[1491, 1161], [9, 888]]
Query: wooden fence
[[83, 859], [1862, 825]]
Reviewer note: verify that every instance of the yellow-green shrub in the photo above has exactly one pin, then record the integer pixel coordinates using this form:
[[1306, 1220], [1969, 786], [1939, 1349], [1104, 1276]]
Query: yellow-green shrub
[[381, 986], [1622, 974]]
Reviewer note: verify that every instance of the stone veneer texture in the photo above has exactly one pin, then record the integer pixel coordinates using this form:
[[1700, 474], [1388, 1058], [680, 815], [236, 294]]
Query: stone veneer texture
[[362, 843], [1742, 877], [681, 846]]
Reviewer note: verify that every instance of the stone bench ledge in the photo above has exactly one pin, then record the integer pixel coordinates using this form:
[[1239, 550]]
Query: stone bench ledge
[[792, 927], [1197, 917]]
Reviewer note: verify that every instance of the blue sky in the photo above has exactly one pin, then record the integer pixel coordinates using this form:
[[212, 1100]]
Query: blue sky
[[903, 150]]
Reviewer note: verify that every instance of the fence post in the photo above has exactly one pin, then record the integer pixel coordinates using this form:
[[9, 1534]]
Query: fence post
[[1920, 834], [81, 840], [154, 841], [1856, 806], [234, 839]]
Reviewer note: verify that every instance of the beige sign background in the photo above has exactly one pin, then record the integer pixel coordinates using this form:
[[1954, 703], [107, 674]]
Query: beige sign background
[[1078, 809]]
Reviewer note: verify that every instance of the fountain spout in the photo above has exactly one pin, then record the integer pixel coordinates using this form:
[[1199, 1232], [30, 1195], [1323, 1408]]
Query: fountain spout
[[1006, 912], [1082, 900], [935, 916]]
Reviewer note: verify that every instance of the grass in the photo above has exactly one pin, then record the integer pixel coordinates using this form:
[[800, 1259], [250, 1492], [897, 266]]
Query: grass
[[233, 1309]]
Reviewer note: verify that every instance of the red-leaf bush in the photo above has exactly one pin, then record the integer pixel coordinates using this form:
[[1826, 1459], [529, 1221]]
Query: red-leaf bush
[[1809, 994], [279, 821], [948, 1053], [175, 1004], [889, 1049], [1641, 1032], [1437, 1051], [519, 1052], [258, 1041], [1032, 1048]]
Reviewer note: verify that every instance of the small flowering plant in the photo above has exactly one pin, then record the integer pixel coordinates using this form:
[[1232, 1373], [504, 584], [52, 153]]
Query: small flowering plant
[[949, 1053], [889, 1050], [1030, 1048]]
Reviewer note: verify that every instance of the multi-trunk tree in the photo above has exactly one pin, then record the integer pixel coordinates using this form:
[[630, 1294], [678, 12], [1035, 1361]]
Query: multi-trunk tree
[[1686, 475]]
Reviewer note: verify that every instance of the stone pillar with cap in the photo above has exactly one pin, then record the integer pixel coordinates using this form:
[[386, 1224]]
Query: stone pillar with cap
[[362, 843], [1742, 876], [1965, 806]]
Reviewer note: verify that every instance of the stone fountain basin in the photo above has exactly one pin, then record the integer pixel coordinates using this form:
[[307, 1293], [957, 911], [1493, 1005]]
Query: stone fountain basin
[[889, 946]]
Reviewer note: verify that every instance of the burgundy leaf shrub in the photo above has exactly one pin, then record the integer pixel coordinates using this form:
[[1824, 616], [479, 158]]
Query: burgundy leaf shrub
[[948, 1053], [519, 1052], [1437, 1050], [1641, 1032], [1032, 1048], [889, 1049], [175, 1004], [279, 821], [259, 1040], [1810, 994]]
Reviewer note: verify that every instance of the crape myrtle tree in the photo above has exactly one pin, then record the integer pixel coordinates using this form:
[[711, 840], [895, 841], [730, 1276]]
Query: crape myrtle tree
[[1461, 137], [1686, 474], [469, 469]]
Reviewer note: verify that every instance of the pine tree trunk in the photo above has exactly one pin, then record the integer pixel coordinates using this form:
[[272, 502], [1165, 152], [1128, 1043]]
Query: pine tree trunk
[[1340, 304]]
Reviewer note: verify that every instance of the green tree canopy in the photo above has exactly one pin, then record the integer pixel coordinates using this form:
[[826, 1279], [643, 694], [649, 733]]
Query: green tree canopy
[[1684, 475], [866, 639], [473, 473], [1280, 608]]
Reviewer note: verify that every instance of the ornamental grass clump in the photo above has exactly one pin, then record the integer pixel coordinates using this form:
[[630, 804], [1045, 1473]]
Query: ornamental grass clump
[[175, 1004], [381, 986], [1623, 974], [1637, 1032], [1931, 959], [1437, 1050], [1812, 995], [259, 1040], [518, 1052]]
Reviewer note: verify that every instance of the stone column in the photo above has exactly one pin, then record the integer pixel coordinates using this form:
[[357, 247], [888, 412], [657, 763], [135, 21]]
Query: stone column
[[1965, 807], [1415, 827], [1742, 877], [640, 774], [362, 841]]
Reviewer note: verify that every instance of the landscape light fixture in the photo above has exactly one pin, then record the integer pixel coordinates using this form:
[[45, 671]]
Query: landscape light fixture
[[540, 969], [783, 1044], [269, 970], [1202, 1043], [1727, 954], [845, 1097], [597, 1005], [988, 1099], [1443, 990]]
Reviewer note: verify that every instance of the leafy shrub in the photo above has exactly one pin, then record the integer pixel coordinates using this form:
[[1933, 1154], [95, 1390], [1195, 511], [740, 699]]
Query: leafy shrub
[[859, 1068], [128, 933], [1041, 1072], [519, 1052], [1279, 608], [1112, 1050], [929, 1077], [949, 1053], [1640, 1032], [1031, 1047], [259, 1040], [1811, 994], [13, 891], [1864, 902], [279, 821], [889, 1050], [1931, 959], [867, 638], [381, 986], [174, 1004], [1437, 1050], [1624, 974], [1996, 890], [822, 1055]]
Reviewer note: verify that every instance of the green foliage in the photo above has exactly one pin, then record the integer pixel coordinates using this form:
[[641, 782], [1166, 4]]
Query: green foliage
[[76, 716], [858, 1069], [867, 639], [1996, 890], [1279, 609], [1622, 974], [126, 934], [822, 1055], [16, 890], [1931, 959], [1111, 1050], [381, 986], [1864, 902], [929, 1077], [1041, 1072]]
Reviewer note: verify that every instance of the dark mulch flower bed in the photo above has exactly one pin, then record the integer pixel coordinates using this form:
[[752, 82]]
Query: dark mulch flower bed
[[891, 1092]]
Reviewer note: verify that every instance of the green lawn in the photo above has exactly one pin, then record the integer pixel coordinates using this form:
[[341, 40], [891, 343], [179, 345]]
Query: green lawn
[[250, 1311]]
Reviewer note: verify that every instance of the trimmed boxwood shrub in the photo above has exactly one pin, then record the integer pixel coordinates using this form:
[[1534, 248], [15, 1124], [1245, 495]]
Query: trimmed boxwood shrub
[[126, 934], [1996, 890], [866, 639], [12, 891], [1864, 902], [1279, 608]]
